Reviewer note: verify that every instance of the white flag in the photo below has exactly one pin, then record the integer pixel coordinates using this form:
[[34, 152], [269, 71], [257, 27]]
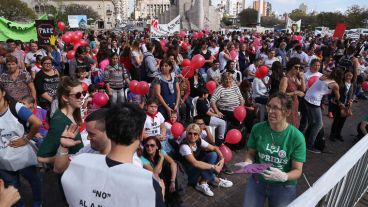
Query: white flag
[[293, 26]]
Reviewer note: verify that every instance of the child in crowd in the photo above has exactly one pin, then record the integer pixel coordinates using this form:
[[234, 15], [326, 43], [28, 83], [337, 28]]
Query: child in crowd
[[83, 76], [155, 122], [41, 113], [170, 145]]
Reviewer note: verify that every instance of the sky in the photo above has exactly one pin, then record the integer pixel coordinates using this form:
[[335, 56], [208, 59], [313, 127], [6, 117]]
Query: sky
[[281, 6]]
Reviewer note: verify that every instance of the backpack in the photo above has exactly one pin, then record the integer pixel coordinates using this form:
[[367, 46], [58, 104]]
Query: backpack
[[346, 62], [320, 142], [143, 69]]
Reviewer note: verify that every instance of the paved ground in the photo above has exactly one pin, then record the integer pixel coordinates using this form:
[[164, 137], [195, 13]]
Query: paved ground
[[315, 166]]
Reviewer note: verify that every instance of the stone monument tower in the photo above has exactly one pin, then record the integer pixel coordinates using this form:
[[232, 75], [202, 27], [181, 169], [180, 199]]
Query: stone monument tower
[[195, 15]]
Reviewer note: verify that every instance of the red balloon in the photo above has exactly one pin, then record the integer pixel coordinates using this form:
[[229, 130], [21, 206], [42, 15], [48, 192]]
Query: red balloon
[[187, 72], [312, 80], [195, 35], [226, 152], [61, 26], [185, 63], [66, 38], [262, 71], [100, 99], [75, 38], [95, 50], [79, 33], [211, 86], [365, 85], [69, 34], [233, 136], [197, 61], [177, 130], [84, 86], [182, 34], [142, 88], [76, 45], [200, 34], [185, 46], [233, 54], [71, 54], [83, 42], [133, 86], [240, 113]]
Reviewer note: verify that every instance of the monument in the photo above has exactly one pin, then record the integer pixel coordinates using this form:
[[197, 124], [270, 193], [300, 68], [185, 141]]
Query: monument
[[195, 15]]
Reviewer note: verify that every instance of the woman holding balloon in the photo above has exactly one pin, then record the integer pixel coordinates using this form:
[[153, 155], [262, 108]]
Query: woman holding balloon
[[202, 161], [166, 89], [278, 143]]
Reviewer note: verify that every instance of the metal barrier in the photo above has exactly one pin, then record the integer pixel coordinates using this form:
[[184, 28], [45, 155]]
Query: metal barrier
[[343, 184]]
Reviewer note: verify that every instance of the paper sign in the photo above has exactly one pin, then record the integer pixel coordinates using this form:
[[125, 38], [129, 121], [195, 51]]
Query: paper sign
[[339, 30], [45, 28]]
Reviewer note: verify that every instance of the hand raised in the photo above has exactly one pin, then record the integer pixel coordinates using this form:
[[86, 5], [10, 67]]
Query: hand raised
[[67, 138]]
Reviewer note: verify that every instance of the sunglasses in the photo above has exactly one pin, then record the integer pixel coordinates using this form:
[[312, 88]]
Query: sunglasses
[[192, 133], [79, 94], [150, 145]]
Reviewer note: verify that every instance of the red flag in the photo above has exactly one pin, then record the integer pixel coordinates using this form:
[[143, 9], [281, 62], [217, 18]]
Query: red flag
[[339, 30]]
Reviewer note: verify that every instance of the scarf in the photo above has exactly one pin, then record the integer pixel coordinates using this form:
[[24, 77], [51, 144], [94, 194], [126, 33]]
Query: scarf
[[152, 115]]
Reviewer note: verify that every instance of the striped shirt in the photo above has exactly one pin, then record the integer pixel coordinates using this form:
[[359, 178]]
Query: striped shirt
[[227, 98]]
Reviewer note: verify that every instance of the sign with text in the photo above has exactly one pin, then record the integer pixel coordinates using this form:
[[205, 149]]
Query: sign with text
[[45, 29], [77, 21], [164, 30]]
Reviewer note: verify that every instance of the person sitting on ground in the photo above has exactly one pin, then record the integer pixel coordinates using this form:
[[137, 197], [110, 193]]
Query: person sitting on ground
[[156, 160], [202, 161], [125, 129]]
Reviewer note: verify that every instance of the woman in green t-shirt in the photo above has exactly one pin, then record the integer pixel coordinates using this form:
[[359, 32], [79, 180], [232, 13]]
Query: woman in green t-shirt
[[278, 143]]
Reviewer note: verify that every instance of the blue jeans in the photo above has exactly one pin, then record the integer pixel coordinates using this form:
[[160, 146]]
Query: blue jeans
[[315, 123], [31, 175], [256, 193], [195, 173]]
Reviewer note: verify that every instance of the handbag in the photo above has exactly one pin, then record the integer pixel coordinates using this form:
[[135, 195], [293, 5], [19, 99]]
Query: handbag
[[346, 111], [14, 159]]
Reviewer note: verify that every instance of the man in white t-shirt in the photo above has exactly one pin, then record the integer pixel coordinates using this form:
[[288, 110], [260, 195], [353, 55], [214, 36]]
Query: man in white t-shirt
[[30, 59], [113, 180], [213, 48]]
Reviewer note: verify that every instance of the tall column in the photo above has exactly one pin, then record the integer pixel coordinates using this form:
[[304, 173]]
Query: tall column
[[260, 11]]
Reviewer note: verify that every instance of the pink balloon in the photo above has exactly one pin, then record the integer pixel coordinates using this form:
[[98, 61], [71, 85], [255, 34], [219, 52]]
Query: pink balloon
[[177, 130], [211, 86], [100, 99], [182, 34], [233, 136], [240, 113], [185, 63], [200, 34], [312, 80], [365, 85], [226, 152], [71, 54], [133, 86], [197, 61], [233, 54], [262, 71], [142, 88], [187, 72], [195, 35], [61, 26]]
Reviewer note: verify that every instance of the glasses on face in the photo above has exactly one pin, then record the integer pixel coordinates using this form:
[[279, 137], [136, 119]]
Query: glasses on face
[[150, 145], [192, 133], [274, 108], [47, 63], [78, 95]]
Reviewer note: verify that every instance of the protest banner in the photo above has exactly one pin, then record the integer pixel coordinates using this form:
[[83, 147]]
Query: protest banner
[[162, 30], [293, 26]]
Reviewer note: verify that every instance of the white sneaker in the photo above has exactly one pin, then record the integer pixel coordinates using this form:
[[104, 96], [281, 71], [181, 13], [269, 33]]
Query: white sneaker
[[204, 188], [225, 183]]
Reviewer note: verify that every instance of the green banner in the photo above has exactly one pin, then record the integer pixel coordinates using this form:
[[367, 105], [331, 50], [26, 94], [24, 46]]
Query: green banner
[[16, 31]]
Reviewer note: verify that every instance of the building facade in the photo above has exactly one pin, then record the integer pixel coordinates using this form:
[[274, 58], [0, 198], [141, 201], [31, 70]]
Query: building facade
[[256, 6], [233, 8], [147, 9]]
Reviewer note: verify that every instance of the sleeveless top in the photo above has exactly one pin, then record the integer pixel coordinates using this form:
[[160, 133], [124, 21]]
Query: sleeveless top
[[317, 91], [170, 98]]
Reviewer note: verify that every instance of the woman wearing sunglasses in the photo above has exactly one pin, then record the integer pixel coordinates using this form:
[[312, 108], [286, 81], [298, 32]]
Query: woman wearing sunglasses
[[156, 160], [202, 161], [46, 83], [293, 85], [70, 97]]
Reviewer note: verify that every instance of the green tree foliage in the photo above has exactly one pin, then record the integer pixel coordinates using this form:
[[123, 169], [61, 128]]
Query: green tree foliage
[[16, 10], [356, 16], [271, 21], [329, 19], [297, 14], [76, 9], [226, 20], [248, 17]]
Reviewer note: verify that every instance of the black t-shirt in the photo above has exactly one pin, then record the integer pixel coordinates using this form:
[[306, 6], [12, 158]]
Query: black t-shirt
[[202, 109], [206, 56], [45, 83]]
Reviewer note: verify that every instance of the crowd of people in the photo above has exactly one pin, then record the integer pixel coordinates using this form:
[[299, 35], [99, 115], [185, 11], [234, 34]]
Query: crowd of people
[[125, 154]]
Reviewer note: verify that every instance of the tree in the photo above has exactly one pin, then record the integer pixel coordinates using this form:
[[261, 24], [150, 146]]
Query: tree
[[226, 20], [15, 10], [356, 16], [297, 14], [330, 19], [271, 21], [248, 17], [76, 9]]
